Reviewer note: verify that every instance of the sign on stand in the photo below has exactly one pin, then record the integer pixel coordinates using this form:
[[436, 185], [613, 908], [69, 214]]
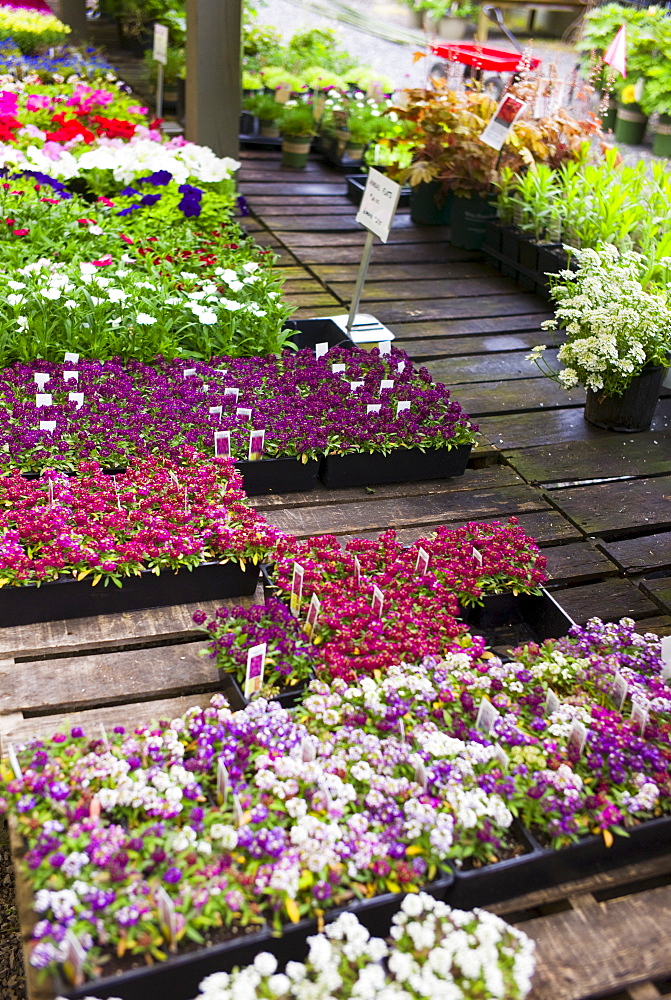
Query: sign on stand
[[160, 56], [376, 213]]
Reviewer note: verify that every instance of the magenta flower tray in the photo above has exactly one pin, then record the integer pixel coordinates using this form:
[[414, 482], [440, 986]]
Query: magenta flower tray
[[278, 475], [404, 465], [69, 598], [179, 976]]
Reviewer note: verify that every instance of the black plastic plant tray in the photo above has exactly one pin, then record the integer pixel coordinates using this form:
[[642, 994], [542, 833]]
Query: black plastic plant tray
[[404, 465], [68, 598], [179, 976], [278, 475], [503, 880], [356, 184], [237, 701], [310, 332], [509, 620]]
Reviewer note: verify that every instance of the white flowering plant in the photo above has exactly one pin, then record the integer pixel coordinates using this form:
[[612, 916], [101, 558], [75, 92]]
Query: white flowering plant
[[617, 322], [433, 953]]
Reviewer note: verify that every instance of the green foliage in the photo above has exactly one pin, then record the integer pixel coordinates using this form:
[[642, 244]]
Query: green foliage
[[317, 47], [297, 119], [264, 106]]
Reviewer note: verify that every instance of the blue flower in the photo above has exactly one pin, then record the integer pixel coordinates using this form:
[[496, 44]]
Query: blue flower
[[150, 199], [159, 178]]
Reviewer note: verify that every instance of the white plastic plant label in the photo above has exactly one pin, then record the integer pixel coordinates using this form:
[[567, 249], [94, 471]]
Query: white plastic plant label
[[400, 367], [296, 589], [256, 662], [41, 379], [401, 406], [243, 412], [308, 752], [384, 347], [422, 562], [421, 776], [216, 411], [338, 369], [378, 204], [477, 555], [167, 916], [640, 717], [160, 50], [501, 756], [222, 782], [222, 444], [577, 737], [386, 383], [188, 372], [256, 439], [487, 716], [71, 376], [357, 570], [401, 730], [552, 703], [312, 615], [620, 690], [75, 956], [500, 124], [354, 386], [234, 393], [70, 359], [14, 761], [373, 407], [43, 399], [238, 814], [48, 425], [377, 603], [321, 349], [666, 657], [77, 398]]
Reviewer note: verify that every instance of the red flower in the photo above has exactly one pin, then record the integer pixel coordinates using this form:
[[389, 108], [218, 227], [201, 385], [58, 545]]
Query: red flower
[[20, 232], [104, 261], [115, 128], [105, 201], [50, 201], [125, 238], [70, 129], [8, 126]]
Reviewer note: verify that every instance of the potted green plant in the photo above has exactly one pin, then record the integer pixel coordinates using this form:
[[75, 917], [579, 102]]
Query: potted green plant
[[173, 70], [449, 19], [618, 327], [297, 126], [349, 124], [268, 111], [656, 96]]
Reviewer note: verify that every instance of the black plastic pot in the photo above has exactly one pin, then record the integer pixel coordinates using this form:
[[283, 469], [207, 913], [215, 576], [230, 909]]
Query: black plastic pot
[[237, 701], [180, 975], [404, 465], [310, 332], [355, 188], [491, 246], [634, 409], [503, 880], [278, 475], [506, 619], [470, 217], [69, 598], [429, 206], [510, 250], [551, 259]]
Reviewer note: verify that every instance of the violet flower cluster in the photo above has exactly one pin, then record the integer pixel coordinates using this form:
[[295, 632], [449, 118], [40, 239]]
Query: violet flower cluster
[[128, 409]]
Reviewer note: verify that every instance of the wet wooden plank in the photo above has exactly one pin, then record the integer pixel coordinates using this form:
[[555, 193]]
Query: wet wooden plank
[[376, 515], [454, 347], [340, 250], [635, 555], [440, 248], [99, 679], [573, 961], [610, 600], [394, 311], [332, 223], [577, 562], [612, 509], [404, 270], [331, 207], [482, 368], [446, 288], [657, 626], [536, 394], [280, 188], [608, 455], [496, 326], [306, 300], [658, 590]]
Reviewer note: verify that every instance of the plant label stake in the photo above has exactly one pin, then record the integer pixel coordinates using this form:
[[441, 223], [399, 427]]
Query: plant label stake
[[477, 555], [43, 399], [103, 734], [256, 439], [244, 412], [14, 761], [222, 444], [373, 408], [552, 703], [338, 369], [308, 752], [487, 716], [401, 727], [48, 425], [376, 213], [238, 815], [577, 737], [116, 489], [321, 349], [639, 716], [421, 776], [357, 571], [378, 601], [384, 347], [256, 661], [188, 372], [167, 916], [501, 756], [95, 808], [51, 492], [41, 379], [502, 121], [71, 359], [232, 392], [620, 689], [386, 383], [73, 966], [296, 589], [71, 376], [323, 788], [422, 563], [221, 371], [400, 367], [222, 782], [160, 55], [354, 386], [404, 404], [666, 657], [77, 398], [312, 615], [216, 411]]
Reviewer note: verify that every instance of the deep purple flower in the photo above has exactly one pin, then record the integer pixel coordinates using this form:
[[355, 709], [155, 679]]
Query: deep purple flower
[[173, 875]]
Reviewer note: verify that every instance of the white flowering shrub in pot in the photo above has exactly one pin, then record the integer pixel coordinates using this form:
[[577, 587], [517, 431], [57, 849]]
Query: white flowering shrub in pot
[[616, 313]]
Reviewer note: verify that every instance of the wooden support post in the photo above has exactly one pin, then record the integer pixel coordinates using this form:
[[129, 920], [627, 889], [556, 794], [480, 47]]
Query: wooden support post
[[213, 74], [73, 13]]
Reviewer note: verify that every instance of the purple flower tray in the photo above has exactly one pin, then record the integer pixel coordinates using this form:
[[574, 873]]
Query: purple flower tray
[[404, 465], [278, 475], [542, 867], [237, 701], [506, 619], [179, 976], [68, 598]]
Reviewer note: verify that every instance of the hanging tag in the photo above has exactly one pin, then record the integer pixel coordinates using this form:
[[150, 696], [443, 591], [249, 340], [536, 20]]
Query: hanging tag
[[338, 369], [401, 726], [378, 601], [357, 570], [244, 412], [384, 347], [256, 439], [373, 408], [386, 383], [577, 737], [48, 425], [500, 124], [308, 752], [43, 399], [71, 376], [222, 782], [41, 379], [167, 917], [256, 662], [321, 349], [501, 756], [70, 359], [188, 372], [400, 367], [76, 397], [640, 716], [216, 411], [232, 392], [238, 815], [477, 555], [402, 406], [75, 956], [296, 589], [422, 563], [222, 444], [354, 386], [552, 703], [312, 615], [14, 761], [487, 716], [620, 689], [666, 657]]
